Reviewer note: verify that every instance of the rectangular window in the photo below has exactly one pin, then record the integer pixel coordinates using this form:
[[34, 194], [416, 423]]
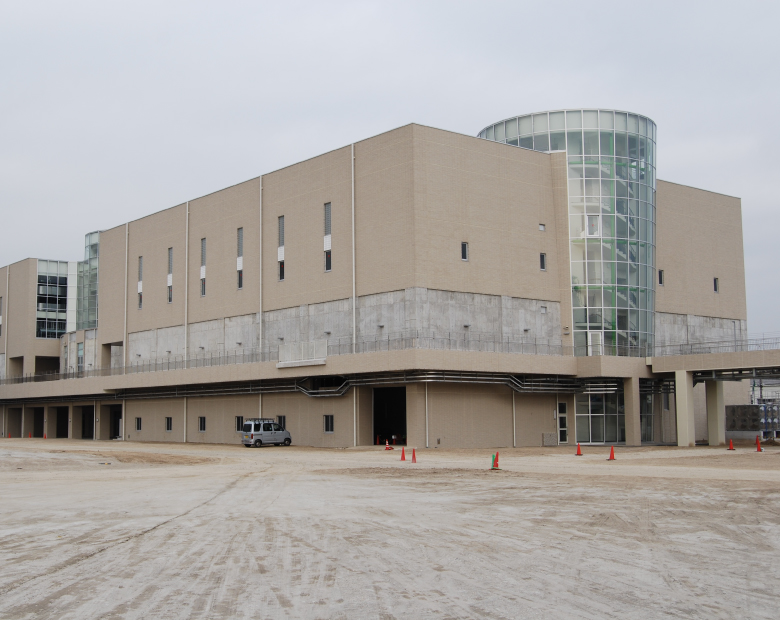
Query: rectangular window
[[170, 261], [170, 275], [464, 250], [203, 252], [543, 262], [716, 285], [202, 424], [327, 260], [140, 268], [138, 424], [203, 287], [328, 423], [282, 419], [240, 278], [281, 231], [666, 401], [80, 356], [240, 257], [327, 219], [239, 423], [542, 227], [543, 310], [240, 242], [140, 300], [170, 294], [281, 270], [168, 424], [593, 225], [661, 277]]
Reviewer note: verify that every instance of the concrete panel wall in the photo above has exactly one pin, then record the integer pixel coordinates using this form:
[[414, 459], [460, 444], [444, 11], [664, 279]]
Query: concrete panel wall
[[111, 284], [220, 413], [153, 414], [473, 416], [305, 418], [688, 328]]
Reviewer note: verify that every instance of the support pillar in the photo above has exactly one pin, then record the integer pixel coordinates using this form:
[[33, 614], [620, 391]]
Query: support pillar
[[683, 396], [70, 421], [716, 413], [631, 407]]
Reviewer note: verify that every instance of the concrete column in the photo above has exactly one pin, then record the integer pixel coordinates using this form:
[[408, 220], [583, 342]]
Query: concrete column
[[22, 433], [70, 421], [683, 397], [631, 402], [716, 413]]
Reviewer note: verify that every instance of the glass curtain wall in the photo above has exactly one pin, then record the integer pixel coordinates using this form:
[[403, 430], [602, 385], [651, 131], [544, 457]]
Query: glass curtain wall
[[51, 306], [87, 293], [612, 181]]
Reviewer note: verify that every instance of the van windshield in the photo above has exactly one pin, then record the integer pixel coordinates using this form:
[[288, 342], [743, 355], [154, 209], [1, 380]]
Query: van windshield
[[247, 427]]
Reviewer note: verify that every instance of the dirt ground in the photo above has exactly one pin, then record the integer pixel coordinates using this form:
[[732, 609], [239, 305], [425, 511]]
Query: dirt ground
[[93, 529]]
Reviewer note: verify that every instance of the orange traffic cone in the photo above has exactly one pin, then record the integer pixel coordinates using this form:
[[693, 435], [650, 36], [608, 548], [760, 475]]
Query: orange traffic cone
[[403, 454], [731, 444], [388, 446], [495, 462], [611, 454], [44, 435], [414, 456], [579, 452], [758, 444], [29, 436]]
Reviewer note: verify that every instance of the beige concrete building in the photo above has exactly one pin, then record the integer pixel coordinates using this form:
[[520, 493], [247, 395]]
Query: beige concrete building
[[419, 287]]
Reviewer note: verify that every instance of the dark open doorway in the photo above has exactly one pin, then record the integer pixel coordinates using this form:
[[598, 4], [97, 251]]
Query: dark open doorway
[[62, 422], [115, 412], [38, 422], [88, 422], [390, 415]]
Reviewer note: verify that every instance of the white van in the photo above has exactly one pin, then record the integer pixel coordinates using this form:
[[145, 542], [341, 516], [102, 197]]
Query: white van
[[259, 431]]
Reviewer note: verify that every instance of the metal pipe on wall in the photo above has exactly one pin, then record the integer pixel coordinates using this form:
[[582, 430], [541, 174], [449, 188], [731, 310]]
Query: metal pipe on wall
[[260, 313], [125, 344], [186, 282], [354, 301]]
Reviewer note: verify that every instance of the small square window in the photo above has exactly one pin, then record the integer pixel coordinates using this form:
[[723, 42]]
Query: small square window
[[168, 424], [543, 262], [239, 423], [202, 424], [464, 251], [240, 278], [543, 309], [716, 285], [138, 424], [281, 270], [562, 408], [660, 277], [542, 227], [327, 260], [328, 420]]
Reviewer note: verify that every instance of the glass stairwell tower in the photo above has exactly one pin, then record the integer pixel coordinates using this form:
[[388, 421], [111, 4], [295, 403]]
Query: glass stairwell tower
[[612, 181]]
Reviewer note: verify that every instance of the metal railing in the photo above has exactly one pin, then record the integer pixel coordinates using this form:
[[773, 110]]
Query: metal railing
[[764, 343]]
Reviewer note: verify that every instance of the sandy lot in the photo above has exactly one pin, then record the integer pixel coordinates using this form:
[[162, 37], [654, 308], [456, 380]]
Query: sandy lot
[[126, 530]]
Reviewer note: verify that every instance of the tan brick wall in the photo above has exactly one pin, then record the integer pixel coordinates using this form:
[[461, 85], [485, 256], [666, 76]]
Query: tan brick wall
[[699, 236]]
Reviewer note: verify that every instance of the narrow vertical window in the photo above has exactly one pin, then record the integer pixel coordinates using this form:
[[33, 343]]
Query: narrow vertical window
[[328, 421], [140, 281], [282, 419], [280, 252], [716, 285], [239, 423], [203, 267], [543, 262], [202, 424], [464, 251], [661, 277], [240, 257], [138, 424], [170, 275], [327, 245], [169, 424]]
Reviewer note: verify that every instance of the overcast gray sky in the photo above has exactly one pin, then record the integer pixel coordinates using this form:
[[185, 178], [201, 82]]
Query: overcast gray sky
[[110, 111]]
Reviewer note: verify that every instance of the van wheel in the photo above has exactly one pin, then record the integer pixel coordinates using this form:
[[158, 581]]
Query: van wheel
[[287, 441], [258, 443]]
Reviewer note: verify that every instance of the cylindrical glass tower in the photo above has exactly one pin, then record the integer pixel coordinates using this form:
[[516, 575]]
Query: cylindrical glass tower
[[611, 170]]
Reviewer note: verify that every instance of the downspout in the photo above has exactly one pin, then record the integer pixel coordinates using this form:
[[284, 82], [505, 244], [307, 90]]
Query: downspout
[[260, 313], [186, 284], [354, 303], [125, 344]]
